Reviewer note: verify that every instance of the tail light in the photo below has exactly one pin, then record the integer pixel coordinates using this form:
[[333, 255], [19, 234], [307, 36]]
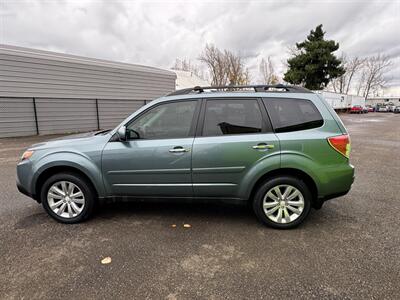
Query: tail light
[[341, 143]]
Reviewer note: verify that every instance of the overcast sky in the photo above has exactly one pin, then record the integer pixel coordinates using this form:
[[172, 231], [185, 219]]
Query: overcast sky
[[156, 32]]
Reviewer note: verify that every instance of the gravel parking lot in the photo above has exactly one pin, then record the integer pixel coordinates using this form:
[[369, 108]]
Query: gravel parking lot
[[348, 249]]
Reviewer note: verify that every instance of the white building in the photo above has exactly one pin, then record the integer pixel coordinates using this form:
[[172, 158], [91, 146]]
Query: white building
[[383, 100], [185, 79], [341, 101]]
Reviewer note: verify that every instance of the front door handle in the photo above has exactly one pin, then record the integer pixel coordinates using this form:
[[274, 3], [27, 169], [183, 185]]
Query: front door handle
[[263, 146], [178, 149]]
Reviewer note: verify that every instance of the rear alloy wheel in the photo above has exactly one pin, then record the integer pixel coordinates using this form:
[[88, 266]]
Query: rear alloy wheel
[[282, 202], [68, 198]]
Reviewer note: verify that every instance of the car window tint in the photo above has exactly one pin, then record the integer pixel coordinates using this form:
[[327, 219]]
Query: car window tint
[[170, 120], [232, 116], [293, 114]]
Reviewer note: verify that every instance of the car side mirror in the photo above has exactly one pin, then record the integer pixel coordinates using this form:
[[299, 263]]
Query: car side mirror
[[122, 133], [132, 134]]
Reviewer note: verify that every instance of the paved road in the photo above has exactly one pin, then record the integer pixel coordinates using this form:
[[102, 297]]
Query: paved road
[[349, 249]]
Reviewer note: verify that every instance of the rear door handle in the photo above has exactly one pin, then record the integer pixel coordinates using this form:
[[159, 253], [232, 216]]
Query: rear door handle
[[178, 149], [263, 146]]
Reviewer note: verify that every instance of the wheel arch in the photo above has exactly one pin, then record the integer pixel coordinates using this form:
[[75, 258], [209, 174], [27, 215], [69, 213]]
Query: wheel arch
[[50, 171], [297, 173]]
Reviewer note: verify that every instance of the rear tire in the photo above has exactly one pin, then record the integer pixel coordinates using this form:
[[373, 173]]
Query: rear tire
[[282, 202], [68, 198]]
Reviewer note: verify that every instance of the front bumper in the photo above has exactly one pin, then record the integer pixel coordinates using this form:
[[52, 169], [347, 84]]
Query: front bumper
[[22, 190], [25, 178]]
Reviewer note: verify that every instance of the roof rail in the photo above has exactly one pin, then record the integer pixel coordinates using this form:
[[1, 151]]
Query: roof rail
[[257, 88]]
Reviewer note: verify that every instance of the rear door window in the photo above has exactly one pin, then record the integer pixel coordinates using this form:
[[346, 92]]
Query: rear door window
[[232, 116], [293, 114]]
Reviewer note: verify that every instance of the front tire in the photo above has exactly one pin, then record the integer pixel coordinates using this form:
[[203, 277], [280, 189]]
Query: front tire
[[282, 202], [68, 198]]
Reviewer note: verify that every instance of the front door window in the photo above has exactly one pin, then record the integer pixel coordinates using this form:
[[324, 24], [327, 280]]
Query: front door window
[[165, 121]]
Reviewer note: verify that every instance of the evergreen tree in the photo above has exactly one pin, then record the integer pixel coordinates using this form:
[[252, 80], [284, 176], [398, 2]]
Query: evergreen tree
[[314, 65]]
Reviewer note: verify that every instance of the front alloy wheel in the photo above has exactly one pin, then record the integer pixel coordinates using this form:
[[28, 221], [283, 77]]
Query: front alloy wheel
[[66, 199]]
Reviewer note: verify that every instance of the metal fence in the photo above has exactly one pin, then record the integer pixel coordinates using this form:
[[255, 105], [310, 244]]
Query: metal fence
[[33, 116]]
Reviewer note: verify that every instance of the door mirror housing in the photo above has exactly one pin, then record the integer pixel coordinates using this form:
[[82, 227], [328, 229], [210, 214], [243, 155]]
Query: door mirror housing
[[122, 133], [132, 134]]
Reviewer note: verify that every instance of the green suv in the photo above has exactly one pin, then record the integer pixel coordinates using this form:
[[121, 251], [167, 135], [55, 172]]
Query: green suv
[[281, 148]]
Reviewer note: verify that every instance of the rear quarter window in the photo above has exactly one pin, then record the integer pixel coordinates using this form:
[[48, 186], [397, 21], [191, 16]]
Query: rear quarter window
[[293, 114]]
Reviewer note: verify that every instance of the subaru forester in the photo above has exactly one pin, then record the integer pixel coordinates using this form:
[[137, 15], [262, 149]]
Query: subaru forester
[[281, 148]]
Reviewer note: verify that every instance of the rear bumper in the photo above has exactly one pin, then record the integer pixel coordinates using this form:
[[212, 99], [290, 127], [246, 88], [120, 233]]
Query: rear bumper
[[317, 204], [333, 196], [338, 186]]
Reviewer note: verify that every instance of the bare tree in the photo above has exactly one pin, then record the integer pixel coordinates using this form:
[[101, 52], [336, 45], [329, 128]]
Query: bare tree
[[188, 66], [352, 66], [291, 51], [363, 75], [225, 66], [181, 64], [216, 63], [361, 82], [267, 71], [374, 68], [237, 72], [246, 78], [338, 84]]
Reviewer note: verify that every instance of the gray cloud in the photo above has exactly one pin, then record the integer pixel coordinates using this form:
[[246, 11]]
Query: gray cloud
[[155, 33]]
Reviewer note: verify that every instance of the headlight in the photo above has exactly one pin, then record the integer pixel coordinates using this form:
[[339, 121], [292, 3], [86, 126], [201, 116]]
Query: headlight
[[27, 154]]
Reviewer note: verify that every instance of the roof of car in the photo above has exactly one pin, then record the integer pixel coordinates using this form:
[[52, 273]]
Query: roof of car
[[242, 91], [242, 88]]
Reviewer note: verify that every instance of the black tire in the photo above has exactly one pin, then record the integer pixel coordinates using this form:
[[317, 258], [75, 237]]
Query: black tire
[[276, 181], [86, 188]]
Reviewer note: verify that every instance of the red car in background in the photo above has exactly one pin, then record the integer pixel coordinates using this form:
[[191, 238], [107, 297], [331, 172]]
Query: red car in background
[[356, 109], [370, 108]]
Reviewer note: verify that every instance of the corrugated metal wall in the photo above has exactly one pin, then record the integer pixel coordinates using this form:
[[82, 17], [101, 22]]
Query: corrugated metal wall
[[66, 88], [17, 117], [113, 112], [65, 115]]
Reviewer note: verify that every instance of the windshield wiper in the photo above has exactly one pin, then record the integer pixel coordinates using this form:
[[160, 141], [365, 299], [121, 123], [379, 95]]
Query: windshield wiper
[[103, 131]]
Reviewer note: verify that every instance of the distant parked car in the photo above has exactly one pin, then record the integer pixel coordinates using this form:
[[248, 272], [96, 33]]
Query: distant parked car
[[397, 110], [356, 109], [365, 110], [370, 108], [382, 109]]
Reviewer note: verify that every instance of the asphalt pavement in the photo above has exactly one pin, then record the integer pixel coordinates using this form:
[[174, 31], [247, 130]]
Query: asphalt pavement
[[348, 249]]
